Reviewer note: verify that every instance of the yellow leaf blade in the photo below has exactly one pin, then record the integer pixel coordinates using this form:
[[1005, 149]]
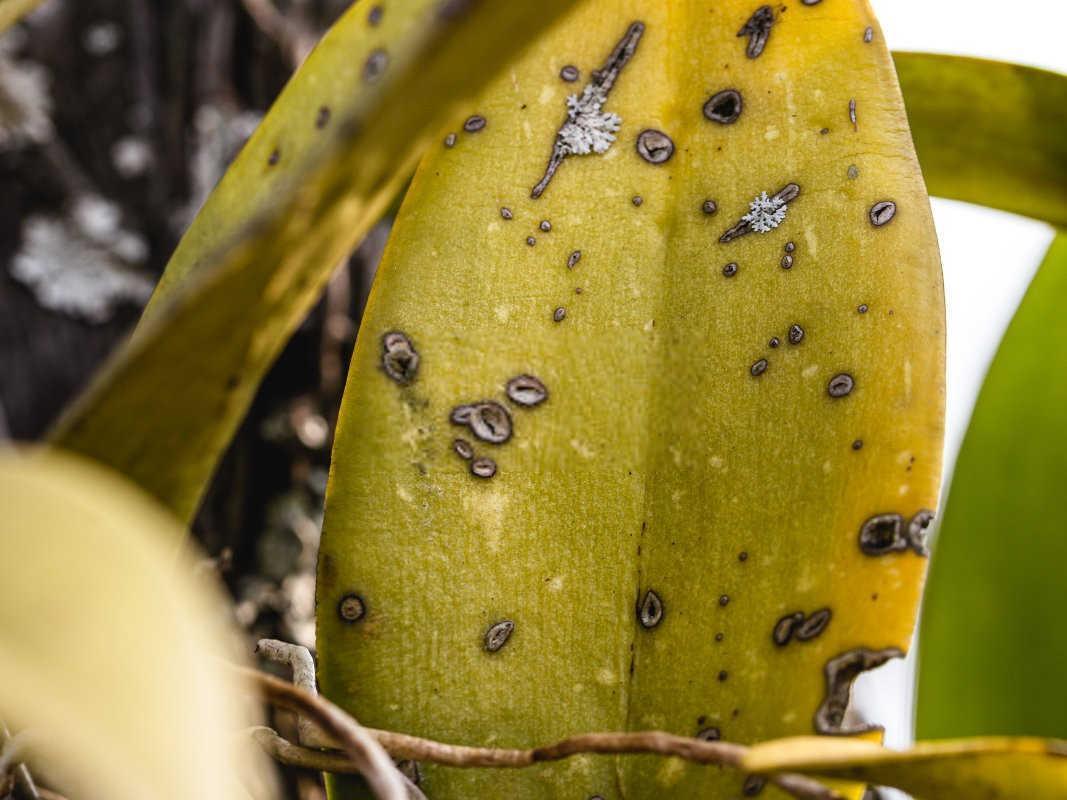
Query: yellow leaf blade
[[309, 184], [11, 11], [1000, 768], [687, 486]]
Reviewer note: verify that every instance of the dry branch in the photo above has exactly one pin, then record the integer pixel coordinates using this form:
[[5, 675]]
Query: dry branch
[[403, 746]]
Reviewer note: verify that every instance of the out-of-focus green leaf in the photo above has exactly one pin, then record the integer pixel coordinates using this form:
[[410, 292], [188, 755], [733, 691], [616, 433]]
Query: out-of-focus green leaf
[[989, 132], [336, 148], [966, 769], [11, 11], [993, 644], [109, 646]]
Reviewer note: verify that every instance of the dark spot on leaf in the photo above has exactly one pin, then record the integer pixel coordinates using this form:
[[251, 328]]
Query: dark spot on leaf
[[724, 107], [527, 390], [841, 672], [841, 385], [400, 360], [498, 635], [351, 608], [654, 146], [650, 610]]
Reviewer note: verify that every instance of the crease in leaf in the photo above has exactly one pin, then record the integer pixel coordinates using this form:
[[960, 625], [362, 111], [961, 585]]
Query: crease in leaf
[[324, 165], [111, 646], [1000, 768], [736, 429], [989, 132], [993, 638]]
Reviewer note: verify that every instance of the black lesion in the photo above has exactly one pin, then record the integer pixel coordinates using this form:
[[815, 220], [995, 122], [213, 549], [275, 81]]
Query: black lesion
[[758, 30], [841, 672]]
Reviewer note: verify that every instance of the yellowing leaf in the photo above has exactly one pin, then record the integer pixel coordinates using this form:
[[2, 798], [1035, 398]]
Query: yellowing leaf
[[325, 163], [988, 768], [11, 11], [109, 647], [599, 469], [988, 132]]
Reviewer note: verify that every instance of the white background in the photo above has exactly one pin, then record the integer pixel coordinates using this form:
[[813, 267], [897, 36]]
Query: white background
[[989, 257]]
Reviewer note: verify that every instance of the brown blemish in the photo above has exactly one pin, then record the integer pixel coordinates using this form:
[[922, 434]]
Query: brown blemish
[[882, 213], [655, 146], [474, 123], [527, 390], [497, 636], [483, 467], [487, 420], [841, 385], [758, 31], [882, 534], [400, 359], [351, 608], [724, 107], [650, 610], [569, 73], [758, 368], [841, 672], [375, 65], [463, 449], [730, 269]]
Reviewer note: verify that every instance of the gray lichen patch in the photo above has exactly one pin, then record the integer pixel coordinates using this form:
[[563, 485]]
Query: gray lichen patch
[[765, 213], [841, 672], [588, 128], [400, 359], [758, 30]]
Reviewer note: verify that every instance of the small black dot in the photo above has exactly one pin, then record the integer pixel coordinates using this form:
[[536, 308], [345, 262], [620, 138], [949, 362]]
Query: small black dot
[[723, 675], [724, 599], [742, 556], [858, 444]]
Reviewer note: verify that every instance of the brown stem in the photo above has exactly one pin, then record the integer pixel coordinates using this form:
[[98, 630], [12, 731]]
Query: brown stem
[[403, 746], [361, 746]]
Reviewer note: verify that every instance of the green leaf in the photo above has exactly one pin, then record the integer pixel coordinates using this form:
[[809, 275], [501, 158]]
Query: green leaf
[[993, 642], [109, 646], [989, 132], [336, 148], [11, 11], [991, 768]]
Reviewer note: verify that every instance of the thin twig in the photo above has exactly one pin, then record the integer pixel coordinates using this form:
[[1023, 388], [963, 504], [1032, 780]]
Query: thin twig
[[377, 768], [299, 660], [403, 746], [294, 40]]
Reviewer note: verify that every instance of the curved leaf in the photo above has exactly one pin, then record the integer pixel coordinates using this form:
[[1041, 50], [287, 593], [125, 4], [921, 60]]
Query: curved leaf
[[108, 645], [994, 639], [714, 440], [337, 146], [989, 132], [11, 11], [993, 768]]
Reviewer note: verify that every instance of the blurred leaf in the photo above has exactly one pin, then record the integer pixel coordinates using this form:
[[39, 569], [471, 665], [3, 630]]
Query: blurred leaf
[[967, 769], [108, 646], [335, 149], [11, 11], [993, 644], [989, 132]]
